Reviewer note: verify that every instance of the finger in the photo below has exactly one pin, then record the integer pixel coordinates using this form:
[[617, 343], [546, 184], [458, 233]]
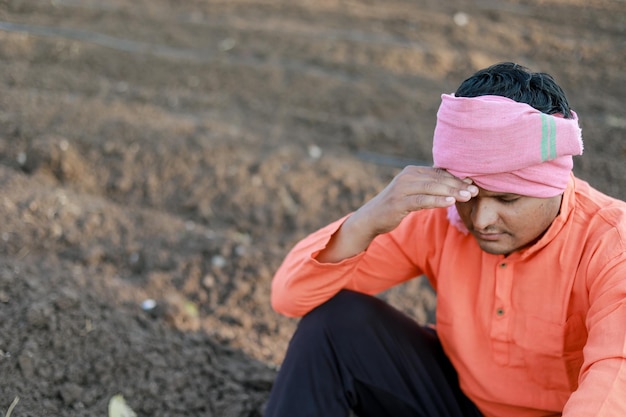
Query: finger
[[448, 187], [424, 201], [438, 175], [460, 188], [467, 193], [445, 173]]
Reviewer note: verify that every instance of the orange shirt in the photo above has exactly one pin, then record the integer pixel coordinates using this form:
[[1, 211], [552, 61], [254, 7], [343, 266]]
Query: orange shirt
[[541, 332]]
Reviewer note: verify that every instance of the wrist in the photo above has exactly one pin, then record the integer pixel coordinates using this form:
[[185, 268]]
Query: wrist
[[359, 229]]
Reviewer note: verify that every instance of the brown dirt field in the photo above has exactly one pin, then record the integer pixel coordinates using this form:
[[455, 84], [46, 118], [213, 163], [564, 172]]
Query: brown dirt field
[[175, 151]]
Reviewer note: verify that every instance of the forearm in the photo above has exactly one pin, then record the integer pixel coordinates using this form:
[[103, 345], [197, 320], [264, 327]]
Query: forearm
[[602, 389], [602, 392], [302, 282]]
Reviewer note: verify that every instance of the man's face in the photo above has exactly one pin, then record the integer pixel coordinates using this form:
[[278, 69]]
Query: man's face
[[503, 223]]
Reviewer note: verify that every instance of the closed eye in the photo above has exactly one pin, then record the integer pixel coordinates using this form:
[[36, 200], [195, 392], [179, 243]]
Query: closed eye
[[508, 199]]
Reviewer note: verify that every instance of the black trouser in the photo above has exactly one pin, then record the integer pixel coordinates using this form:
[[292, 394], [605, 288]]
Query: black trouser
[[356, 352]]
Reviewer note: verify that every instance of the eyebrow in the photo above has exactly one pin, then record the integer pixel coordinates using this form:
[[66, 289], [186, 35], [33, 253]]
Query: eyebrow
[[494, 194]]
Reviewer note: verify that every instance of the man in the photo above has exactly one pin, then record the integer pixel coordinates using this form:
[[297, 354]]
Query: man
[[528, 262]]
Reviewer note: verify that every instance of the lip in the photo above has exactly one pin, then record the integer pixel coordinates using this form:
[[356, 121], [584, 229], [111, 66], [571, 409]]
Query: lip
[[488, 236]]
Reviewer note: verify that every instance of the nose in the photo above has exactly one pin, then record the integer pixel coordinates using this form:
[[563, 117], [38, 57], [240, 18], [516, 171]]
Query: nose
[[484, 213]]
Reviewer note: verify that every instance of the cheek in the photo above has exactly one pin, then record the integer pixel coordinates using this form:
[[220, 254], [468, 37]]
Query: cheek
[[547, 213], [531, 221]]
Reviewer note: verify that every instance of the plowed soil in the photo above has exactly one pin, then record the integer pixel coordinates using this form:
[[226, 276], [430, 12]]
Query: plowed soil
[[159, 158]]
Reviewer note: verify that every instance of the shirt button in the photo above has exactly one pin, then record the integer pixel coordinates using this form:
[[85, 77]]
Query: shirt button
[[503, 265], [500, 312]]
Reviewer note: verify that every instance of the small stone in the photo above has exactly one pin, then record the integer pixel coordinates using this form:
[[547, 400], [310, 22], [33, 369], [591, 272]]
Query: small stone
[[315, 152], [218, 261], [70, 393], [227, 44], [68, 299], [148, 304], [461, 19], [25, 362], [38, 315], [208, 281]]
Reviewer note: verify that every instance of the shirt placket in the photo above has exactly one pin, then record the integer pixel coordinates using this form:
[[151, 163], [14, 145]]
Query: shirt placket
[[502, 312]]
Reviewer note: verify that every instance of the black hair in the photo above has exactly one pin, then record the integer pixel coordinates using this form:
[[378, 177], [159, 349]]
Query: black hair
[[514, 81]]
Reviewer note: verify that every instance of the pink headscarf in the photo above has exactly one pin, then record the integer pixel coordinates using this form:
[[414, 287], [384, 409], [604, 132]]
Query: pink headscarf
[[506, 146]]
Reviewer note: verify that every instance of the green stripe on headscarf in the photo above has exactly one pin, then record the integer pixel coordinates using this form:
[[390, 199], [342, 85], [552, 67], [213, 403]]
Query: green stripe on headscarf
[[552, 137], [548, 138]]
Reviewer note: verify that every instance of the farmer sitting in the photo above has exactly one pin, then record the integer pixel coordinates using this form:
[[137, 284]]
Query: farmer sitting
[[528, 263]]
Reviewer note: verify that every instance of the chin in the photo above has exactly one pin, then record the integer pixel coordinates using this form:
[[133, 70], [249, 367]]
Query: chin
[[495, 249]]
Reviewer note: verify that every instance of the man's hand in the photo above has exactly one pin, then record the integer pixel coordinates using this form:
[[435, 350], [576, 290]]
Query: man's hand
[[413, 189]]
